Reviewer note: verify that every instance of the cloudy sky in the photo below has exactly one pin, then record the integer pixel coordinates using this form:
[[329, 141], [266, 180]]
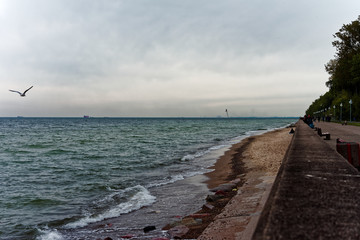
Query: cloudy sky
[[166, 58]]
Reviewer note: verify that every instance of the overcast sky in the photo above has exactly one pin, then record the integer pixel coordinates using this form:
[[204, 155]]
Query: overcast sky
[[166, 58]]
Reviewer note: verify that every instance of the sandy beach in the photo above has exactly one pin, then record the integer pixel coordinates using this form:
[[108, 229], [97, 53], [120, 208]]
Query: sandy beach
[[251, 166]]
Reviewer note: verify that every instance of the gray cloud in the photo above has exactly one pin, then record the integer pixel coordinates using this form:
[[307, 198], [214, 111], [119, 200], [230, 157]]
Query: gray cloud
[[166, 58]]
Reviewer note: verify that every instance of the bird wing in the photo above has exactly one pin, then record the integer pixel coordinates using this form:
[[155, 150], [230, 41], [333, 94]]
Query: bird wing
[[27, 89], [15, 91]]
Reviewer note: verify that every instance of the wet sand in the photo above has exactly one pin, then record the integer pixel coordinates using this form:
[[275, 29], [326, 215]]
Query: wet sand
[[253, 163], [258, 153]]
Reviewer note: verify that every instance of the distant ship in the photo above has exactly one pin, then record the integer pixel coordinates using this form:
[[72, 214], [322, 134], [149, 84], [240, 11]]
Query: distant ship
[[86, 116]]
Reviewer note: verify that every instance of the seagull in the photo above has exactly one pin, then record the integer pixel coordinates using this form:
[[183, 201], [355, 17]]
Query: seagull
[[22, 94]]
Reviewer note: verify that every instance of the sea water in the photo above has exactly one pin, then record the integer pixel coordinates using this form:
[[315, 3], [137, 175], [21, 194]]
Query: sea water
[[74, 178]]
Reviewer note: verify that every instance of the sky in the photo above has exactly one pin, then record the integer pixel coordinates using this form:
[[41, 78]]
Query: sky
[[166, 58]]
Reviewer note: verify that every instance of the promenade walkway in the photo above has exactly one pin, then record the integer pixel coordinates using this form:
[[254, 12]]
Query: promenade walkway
[[316, 194], [346, 132]]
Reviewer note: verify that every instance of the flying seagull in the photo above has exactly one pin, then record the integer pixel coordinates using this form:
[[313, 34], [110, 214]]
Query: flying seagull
[[22, 94]]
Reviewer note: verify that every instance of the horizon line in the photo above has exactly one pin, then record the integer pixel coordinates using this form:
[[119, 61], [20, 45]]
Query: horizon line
[[88, 117]]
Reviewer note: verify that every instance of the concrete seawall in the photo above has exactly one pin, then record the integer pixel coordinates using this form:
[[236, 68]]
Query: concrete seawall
[[316, 194]]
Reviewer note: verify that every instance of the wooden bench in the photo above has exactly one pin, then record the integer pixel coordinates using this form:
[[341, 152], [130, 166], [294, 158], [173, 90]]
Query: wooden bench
[[321, 134]]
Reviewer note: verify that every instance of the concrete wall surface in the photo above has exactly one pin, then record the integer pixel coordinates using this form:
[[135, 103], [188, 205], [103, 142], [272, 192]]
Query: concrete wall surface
[[316, 194]]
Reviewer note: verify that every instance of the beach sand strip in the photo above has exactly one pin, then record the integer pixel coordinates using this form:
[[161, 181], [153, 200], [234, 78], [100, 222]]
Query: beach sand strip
[[253, 164]]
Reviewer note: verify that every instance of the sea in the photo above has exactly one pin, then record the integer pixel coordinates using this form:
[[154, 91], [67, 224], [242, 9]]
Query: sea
[[92, 178]]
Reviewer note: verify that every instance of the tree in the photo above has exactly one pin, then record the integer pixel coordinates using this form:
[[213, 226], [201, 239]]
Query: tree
[[355, 72], [348, 41], [330, 68], [344, 70]]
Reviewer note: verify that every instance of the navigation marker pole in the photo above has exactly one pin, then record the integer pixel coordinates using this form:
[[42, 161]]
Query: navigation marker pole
[[227, 114]]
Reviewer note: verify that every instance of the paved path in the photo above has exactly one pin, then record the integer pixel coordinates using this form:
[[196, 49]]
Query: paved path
[[316, 194], [345, 132]]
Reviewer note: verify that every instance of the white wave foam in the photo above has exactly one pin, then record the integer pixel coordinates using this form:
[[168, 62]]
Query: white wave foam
[[191, 174], [190, 157], [254, 132], [172, 179], [199, 154], [218, 147], [49, 235], [262, 131], [140, 199]]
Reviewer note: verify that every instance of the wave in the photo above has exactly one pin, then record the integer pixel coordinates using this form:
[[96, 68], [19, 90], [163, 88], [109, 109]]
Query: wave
[[226, 144], [201, 153], [38, 145], [59, 151], [175, 178], [43, 202], [140, 199], [166, 181], [48, 234], [198, 154]]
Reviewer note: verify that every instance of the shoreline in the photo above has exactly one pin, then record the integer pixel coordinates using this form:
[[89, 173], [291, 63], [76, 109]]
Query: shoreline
[[227, 167], [245, 166], [191, 220]]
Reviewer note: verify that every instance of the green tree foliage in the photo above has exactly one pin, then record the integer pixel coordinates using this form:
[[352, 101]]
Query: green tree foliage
[[355, 72], [344, 71]]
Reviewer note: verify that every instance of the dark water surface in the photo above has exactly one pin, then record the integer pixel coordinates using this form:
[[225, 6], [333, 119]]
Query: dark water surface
[[72, 178]]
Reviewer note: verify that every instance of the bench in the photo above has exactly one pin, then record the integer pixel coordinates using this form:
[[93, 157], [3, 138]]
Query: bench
[[321, 134]]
